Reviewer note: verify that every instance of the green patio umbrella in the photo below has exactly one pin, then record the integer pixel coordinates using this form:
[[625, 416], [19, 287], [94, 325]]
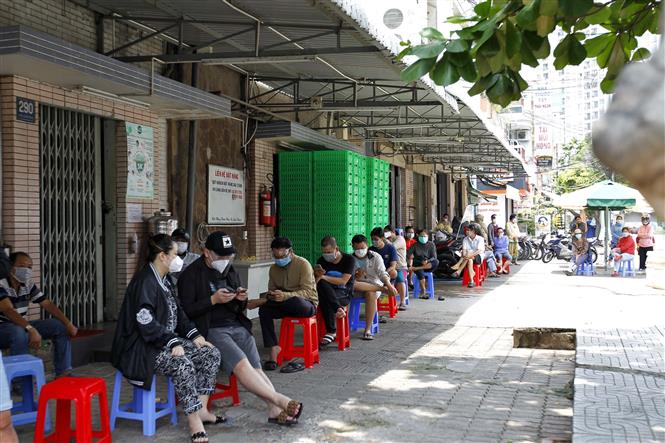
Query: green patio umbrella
[[611, 195]]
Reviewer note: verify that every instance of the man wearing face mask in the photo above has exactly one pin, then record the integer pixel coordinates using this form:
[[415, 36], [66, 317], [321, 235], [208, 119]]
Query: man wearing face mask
[[333, 274], [421, 258], [291, 293], [617, 228], [17, 291], [181, 239], [400, 246], [580, 251], [371, 279]]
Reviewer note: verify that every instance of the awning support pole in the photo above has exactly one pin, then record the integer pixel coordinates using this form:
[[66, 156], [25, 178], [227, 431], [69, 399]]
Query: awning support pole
[[191, 160]]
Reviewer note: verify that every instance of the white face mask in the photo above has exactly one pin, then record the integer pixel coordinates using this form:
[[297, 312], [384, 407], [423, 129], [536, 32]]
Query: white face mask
[[409, 235], [176, 264], [182, 247], [388, 235], [360, 253], [625, 234], [220, 265], [578, 236]]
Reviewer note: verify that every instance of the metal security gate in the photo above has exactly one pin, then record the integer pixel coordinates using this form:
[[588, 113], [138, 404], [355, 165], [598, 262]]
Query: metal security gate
[[71, 213]]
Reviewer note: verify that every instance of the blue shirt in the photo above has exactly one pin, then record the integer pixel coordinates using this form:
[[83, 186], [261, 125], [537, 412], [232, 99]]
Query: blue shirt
[[388, 253], [616, 231], [501, 244]]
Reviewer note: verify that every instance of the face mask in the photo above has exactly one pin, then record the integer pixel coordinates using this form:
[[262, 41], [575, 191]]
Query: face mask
[[176, 264], [388, 235], [619, 222], [282, 262], [422, 239], [578, 236], [375, 243], [625, 234], [182, 247], [330, 256], [360, 253], [645, 222], [23, 275], [220, 265], [409, 235]]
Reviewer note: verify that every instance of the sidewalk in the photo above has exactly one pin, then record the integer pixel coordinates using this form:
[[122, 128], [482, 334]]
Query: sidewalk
[[441, 371]]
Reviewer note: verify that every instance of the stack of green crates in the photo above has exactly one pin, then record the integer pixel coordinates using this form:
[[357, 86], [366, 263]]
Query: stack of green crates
[[340, 196], [295, 201], [378, 190]]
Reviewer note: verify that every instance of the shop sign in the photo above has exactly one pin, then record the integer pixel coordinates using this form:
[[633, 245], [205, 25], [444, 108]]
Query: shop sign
[[140, 161], [26, 110], [226, 196]]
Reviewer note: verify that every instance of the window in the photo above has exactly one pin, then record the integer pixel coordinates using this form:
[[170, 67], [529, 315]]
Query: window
[[588, 126], [595, 93], [587, 116], [595, 115]]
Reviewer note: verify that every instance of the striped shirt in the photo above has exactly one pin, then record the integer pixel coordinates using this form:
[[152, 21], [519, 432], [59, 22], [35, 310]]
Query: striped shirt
[[21, 300]]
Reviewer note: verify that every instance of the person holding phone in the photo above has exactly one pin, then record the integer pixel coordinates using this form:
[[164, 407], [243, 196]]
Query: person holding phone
[[292, 293], [212, 296]]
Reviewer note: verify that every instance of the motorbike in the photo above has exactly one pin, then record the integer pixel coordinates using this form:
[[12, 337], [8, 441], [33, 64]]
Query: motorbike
[[448, 252], [561, 247]]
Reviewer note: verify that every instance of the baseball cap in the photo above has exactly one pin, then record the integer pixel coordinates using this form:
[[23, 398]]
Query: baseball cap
[[220, 243]]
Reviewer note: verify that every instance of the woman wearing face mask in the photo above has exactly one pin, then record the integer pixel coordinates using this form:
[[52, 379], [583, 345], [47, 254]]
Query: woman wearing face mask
[[211, 295], [410, 240], [645, 241], [181, 239], [422, 258], [154, 336], [624, 250], [580, 251]]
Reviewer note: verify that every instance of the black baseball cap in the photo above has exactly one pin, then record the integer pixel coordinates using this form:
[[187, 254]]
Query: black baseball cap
[[220, 243], [180, 233]]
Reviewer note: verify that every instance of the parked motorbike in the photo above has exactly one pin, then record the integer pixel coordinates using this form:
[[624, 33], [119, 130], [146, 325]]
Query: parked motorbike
[[560, 247], [448, 252]]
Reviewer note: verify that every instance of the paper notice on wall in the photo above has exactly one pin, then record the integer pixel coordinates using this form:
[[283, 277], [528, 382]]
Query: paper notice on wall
[[226, 196], [140, 161], [134, 212]]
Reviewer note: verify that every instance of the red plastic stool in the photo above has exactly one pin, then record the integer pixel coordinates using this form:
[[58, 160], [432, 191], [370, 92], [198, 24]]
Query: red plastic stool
[[390, 306], [483, 271], [507, 266], [80, 391], [343, 335], [476, 277], [310, 349], [223, 391]]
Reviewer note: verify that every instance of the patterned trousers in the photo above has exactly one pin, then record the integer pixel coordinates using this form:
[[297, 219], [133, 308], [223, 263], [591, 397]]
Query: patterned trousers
[[193, 374]]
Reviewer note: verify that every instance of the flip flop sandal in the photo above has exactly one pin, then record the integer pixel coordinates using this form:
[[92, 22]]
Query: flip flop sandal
[[269, 365], [367, 336], [219, 419], [383, 319], [441, 298], [292, 367], [401, 308], [327, 339], [199, 437], [292, 406], [283, 419]]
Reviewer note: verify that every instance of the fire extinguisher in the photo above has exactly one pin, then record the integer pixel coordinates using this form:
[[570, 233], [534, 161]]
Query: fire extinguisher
[[267, 206]]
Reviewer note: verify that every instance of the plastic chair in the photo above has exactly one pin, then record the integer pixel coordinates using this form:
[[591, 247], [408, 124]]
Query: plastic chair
[[80, 391], [389, 306], [223, 391], [430, 285], [476, 278], [144, 406], [354, 317], [26, 368], [586, 268], [626, 268], [309, 351], [343, 337]]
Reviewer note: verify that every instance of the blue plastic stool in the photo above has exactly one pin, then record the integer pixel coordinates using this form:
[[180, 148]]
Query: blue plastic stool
[[586, 269], [627, 270], [26, 367], [144, 406], [430, 285], [354, 317]]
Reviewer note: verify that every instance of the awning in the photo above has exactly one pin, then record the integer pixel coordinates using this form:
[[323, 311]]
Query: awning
[[330, 61], [292, 133], [42, 57], [606, 194]]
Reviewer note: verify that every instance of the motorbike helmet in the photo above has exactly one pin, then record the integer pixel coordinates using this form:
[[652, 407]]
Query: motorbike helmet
[[646, 218]]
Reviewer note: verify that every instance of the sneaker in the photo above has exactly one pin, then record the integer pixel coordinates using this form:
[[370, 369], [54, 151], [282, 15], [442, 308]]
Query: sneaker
[[441, 298], [383, 319], [569, 273]]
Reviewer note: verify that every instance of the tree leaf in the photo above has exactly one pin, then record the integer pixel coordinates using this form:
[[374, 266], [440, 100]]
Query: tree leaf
[[483, 9], [468, 72], [459, 59], [418, 69], [549, 7], [428, 50], [501, 92], [491, 47], [496, 62], [575, 8], [601, 14], [597, 44], [545, 25], [603, 57], [641, 54], [521, 83], [576, 52], [482, 84], [539, 45], [457, 45], [432, 34], [561, 53], [483, 65], [460, 19], [513, 39], [528, 14], [445, 73], [403, 53], [607, 85], [617, 59], [514, 62], [527, 56]]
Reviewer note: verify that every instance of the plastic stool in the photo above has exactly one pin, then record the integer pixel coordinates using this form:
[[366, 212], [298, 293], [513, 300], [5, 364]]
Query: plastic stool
[[626, 268], [476, 278], [390, 306], [586, 268], [80, 391], [310, 349], [354, 317], [223, 391], [507, 265], [430, 285], [26, 367], [343, 337], [144, 406], [483, 271]]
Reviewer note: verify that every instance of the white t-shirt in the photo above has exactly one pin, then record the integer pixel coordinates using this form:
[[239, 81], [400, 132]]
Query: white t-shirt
[[400, 245]]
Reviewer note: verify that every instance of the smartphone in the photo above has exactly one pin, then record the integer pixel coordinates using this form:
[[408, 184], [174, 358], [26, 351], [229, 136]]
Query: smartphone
[[264, 294]]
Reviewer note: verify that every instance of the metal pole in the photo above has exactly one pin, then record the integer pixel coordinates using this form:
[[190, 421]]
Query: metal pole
[[191, 161], [607, 232]]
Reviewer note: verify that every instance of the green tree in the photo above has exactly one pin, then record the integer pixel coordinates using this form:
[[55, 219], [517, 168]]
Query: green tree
[[491, 48], [578, 168]]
